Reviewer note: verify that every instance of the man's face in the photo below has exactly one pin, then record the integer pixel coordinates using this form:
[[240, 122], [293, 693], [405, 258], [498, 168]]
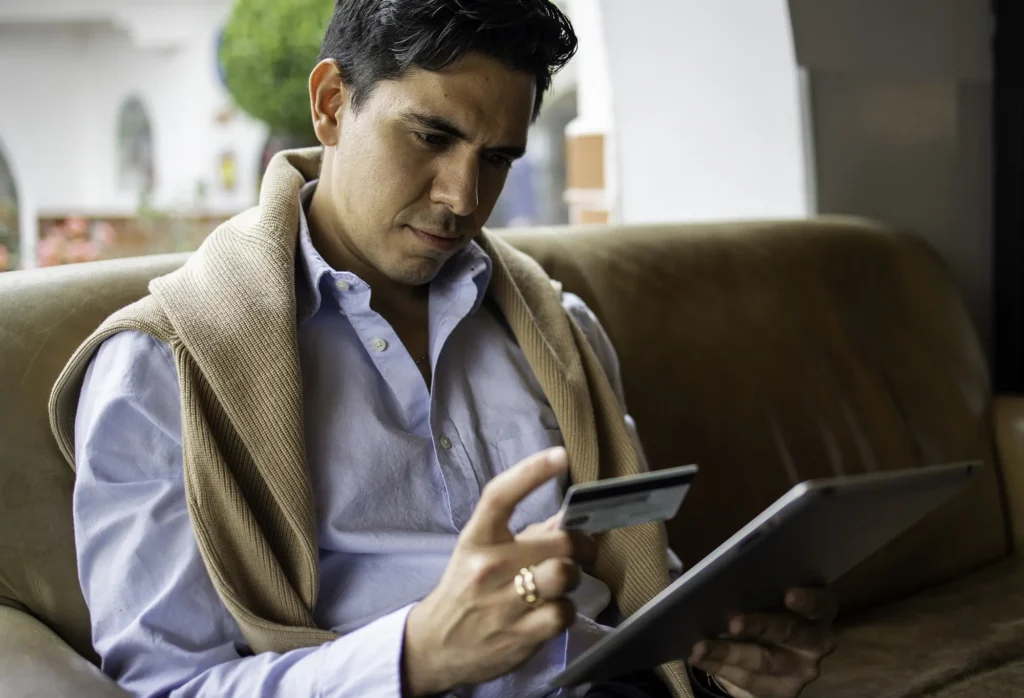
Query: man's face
[[418, 167]]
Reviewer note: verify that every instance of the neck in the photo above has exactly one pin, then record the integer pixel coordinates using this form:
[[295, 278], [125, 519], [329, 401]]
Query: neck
[[337, 249]]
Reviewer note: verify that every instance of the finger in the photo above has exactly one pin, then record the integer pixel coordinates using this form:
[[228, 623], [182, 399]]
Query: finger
[[537, 549], [584, 549], [819, 605], [711, 655], [552, 524], [584, 545], [782, 630], [556, 577], [546, 621], [764, 686], [736, 680], [489, 523]]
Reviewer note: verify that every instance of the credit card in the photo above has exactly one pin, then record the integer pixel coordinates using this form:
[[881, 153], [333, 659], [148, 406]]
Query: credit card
[[605, 505]]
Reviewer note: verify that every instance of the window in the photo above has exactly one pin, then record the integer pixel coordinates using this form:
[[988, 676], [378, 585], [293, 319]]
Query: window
[[9, 228]]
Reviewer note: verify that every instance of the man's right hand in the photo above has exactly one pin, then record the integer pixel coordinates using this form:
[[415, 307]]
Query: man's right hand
[[474, 627]]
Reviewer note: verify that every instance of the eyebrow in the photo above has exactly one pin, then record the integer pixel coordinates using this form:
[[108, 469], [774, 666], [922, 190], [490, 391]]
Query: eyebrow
[[436, 123]]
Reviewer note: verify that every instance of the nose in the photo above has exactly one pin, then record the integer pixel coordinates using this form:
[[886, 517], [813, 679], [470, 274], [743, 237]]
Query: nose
[[457, 185]]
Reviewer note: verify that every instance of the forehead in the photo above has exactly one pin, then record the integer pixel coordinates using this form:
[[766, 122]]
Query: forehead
[[478, 94]]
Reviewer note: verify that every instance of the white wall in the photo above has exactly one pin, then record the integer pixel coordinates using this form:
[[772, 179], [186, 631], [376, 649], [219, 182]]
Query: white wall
[[63, 85], [707, 110], [593, 75]]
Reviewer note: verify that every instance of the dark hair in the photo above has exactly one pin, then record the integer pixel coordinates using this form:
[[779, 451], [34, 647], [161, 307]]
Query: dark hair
[[375, 40]]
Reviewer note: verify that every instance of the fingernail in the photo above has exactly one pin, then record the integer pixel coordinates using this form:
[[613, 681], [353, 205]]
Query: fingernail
[[558, 456], [736, 625]]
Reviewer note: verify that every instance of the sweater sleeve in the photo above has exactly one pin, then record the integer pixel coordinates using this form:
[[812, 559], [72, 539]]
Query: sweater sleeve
[[606, 354], [158, 624]]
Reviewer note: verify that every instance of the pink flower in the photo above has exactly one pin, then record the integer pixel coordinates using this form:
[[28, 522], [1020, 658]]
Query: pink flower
[[76, 226], [103, 234], [81, 251], [56, 230], [50, 251]]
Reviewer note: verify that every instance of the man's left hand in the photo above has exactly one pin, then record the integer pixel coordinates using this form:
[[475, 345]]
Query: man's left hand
[[772, 655]]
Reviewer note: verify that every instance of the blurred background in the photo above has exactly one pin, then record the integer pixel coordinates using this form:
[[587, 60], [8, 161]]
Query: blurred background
[[135, 126]]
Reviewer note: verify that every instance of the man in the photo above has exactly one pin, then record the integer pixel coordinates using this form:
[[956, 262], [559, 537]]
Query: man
[[325, 457]]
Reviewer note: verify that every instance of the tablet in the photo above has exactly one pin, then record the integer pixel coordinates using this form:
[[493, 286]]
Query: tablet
[[810, 537]]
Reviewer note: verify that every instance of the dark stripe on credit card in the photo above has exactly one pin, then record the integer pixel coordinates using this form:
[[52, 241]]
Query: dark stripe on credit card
[[629, 488]]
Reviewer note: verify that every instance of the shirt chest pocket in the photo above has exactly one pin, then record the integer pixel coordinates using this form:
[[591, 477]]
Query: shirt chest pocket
[[546, 500]]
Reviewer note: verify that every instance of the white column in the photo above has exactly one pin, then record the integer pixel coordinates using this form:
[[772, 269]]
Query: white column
[[706, 109]]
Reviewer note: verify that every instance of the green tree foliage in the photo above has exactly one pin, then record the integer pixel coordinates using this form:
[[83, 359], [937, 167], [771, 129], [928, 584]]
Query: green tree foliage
[[268, 50]]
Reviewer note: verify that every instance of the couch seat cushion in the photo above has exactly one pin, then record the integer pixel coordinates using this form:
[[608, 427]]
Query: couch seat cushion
[[963, 640]]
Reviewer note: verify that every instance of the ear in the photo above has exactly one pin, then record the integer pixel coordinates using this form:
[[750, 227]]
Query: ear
[[327, 96]]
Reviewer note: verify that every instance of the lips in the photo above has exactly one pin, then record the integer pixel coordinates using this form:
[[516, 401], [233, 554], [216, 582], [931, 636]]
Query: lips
[[440, 242]]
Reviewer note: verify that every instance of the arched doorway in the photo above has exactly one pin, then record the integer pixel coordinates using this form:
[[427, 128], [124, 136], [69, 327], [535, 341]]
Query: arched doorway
[[135, 151], [10, 228]]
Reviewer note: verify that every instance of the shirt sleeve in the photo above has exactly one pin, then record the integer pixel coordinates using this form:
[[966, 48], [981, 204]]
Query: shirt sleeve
[[158, 624], [606, 354]]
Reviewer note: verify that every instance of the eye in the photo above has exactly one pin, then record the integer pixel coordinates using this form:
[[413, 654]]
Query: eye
[[503, 162], [434, 140]]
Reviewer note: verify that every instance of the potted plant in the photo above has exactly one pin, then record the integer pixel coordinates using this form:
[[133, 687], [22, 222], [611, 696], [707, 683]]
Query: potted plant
[[267, 50]]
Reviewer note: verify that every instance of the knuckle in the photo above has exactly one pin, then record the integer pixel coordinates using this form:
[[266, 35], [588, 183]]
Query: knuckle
[[560, 579], [810, 672], [492, 494], [551, 624], [572, 574], [482, 568], [742, 678]]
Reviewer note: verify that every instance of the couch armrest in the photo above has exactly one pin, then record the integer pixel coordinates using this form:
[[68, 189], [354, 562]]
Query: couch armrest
[[34, 662], [1009, 424]]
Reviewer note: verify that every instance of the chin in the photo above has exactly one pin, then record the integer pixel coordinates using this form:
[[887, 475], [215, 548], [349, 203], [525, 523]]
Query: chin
[[417, 274]]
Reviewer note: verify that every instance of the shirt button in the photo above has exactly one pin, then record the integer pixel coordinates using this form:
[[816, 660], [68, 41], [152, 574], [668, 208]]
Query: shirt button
[[342, 285], [379, 344], [446, 443]]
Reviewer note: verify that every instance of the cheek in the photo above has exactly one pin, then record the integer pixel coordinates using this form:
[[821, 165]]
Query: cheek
[[386, 182], [403, 176], [491, 185]]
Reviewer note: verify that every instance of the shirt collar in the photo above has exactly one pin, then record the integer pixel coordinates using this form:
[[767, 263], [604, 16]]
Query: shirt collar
[[314, 275]]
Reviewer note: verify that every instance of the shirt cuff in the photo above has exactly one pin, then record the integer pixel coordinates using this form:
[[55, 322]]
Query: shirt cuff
[[366, 662]]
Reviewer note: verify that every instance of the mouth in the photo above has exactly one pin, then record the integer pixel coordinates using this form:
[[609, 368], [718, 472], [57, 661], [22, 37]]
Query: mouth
[[445, 243]]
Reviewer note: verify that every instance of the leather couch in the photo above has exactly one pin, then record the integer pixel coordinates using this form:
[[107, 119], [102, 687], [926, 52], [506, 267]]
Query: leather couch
[[767, 352]]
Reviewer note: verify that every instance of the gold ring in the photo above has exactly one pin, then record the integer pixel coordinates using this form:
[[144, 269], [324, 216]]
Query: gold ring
[[526, 587]]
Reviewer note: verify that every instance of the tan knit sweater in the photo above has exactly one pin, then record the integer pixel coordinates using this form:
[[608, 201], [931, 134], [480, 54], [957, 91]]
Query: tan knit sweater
[[228, 316]]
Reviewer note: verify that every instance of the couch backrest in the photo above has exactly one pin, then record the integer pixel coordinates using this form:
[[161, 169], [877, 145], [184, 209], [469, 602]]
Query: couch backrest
[[766, 352], [44, 315], [773, 352]]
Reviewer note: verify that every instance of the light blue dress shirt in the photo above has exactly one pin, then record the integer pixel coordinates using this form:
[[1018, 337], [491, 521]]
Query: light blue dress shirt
[[396, 470]]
